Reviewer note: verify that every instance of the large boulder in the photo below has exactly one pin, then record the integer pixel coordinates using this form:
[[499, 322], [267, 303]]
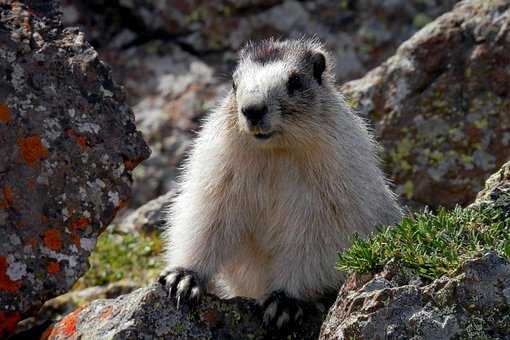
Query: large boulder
[[68, 143], [442, 104], [473, 303], [56, 308], [149, 313]]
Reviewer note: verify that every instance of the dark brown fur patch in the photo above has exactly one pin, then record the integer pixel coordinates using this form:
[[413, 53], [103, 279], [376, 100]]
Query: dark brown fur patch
[[264, 52]]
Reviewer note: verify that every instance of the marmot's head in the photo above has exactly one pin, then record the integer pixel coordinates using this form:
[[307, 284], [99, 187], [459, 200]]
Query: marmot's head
[[280, 89]]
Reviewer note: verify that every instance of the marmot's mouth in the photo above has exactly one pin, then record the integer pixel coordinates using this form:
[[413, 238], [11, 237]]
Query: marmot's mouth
[[263, 135]]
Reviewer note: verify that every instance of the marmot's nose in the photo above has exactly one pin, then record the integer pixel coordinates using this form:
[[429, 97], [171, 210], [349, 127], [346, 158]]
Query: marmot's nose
[[255, 112]]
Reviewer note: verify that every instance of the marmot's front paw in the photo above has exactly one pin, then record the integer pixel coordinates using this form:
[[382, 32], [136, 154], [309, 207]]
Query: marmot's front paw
[[281, 311], [183, 285]]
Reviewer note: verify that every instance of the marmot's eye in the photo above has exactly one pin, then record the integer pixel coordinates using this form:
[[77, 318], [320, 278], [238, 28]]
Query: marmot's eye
[[234, 86], [294, 84]]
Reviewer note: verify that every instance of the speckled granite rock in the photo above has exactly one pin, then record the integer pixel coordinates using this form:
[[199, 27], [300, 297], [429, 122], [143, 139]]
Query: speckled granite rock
[[442, 104], [473, 304], [67, 143], [148, 313]]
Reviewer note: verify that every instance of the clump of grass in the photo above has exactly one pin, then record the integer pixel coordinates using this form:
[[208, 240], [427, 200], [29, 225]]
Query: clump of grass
[[123, 256], [431, 244]]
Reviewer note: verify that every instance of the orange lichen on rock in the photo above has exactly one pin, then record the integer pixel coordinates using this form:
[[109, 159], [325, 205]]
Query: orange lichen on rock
[[52, 239], [80, 223], [130, 164], [53, 267], [6, 284], [32, 242], [8, 197], [46, 334], [75, 238], [5, 114], [122, 204], [82, 142], [65, 327], [8, 322], [69, 323], [32, 149], [106, 313], [80, 139], [44, 219], [210, 317]]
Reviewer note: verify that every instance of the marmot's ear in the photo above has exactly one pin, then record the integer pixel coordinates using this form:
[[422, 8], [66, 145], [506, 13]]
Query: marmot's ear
[[319, 65]]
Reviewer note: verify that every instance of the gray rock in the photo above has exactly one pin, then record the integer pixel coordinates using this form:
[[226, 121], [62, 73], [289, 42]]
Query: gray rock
[[68, 143], [176, 89], [361, 33], [56, 308], [496, 190], [148, 313], [470, 304], [441, 104], [474, 302], [149, 217]]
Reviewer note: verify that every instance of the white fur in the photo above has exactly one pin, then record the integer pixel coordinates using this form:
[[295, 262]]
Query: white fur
[[273, 215], [264, 86]]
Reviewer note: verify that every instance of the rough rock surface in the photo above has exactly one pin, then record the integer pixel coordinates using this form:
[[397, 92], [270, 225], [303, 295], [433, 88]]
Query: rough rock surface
[[473, 303], [497, 189], [442, 104], [56, 308], [361, 33], [149, 217], [178, 90], [148, 313], [67, 143], [175, 57]]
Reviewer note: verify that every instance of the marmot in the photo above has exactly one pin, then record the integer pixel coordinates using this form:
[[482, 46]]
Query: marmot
[[281, 175]]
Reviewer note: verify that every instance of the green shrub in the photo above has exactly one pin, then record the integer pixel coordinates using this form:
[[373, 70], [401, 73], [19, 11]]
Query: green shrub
[[431, 244]]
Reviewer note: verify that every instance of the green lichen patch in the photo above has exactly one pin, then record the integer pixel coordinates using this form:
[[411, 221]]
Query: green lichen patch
[[482, 324], [431, 244], [123, 256]]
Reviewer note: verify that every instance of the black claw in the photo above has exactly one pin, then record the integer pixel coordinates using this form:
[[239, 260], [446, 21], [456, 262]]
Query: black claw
[[180, 284], [281, 311], [162, 279], [178, 303]]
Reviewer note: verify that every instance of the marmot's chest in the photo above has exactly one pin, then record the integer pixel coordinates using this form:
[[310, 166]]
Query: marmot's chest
[[280, 199], [271, 186]]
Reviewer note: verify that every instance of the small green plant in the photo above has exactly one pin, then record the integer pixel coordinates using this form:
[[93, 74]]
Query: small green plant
[[123, 256], [431, 244]]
